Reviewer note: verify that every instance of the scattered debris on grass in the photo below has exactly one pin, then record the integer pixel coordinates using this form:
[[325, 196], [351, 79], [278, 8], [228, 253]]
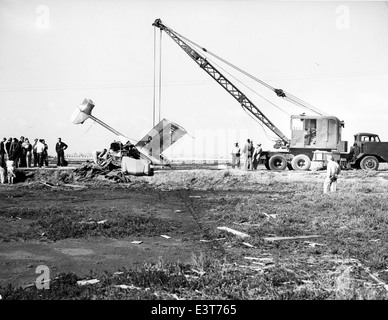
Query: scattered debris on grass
[[272, 239], [273, 215], [203, 240], [248, 224], [235, 232], [248, 245], [201, 273], [313, 244], [296, 270], [124, 286], [86, 282], [218, 279]]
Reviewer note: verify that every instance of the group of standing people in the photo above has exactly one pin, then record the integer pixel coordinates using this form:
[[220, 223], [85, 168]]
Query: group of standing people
[[252, 155], [26, 155], [252, 158], [23, 153]]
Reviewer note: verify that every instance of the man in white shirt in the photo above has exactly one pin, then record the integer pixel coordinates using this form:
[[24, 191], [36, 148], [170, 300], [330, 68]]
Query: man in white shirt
[[236, 156], [248, 150], [40, 150], [333, 170]]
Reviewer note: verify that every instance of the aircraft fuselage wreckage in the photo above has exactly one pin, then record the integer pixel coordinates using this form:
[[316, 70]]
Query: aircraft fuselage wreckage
[[134, 157]]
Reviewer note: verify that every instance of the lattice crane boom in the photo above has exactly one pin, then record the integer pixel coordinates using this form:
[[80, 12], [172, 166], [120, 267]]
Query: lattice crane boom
[[222, 80]]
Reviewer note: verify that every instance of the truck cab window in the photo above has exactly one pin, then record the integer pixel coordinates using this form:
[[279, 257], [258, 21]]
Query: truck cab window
[[310, 127]]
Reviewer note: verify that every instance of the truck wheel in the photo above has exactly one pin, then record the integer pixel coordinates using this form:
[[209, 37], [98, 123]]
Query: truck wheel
[[277, 162], [301, 162], [369, 163]]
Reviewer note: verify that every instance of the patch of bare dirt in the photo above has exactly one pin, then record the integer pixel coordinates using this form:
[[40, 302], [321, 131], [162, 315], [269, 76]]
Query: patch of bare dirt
[[23, 205]]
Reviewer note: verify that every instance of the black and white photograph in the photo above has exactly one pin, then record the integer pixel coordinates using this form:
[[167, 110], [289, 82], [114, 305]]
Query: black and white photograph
[[193, 155]]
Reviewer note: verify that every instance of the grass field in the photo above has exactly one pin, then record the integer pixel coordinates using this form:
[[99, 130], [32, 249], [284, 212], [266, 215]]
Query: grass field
[[347, 261]]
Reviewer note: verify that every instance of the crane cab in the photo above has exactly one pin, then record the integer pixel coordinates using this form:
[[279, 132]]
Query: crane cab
[[317, 133]]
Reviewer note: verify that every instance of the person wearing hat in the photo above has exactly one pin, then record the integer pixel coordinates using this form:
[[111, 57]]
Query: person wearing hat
[[256, 156], [236, 156], [60, 148], [332, 172]]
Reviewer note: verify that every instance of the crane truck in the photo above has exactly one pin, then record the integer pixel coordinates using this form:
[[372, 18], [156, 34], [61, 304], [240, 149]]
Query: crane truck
[[312, 136]]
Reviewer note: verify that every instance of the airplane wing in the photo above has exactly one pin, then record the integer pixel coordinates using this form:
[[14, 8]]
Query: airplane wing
[[159, 138]]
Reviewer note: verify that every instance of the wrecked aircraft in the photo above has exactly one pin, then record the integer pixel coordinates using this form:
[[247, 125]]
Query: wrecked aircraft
[[133, 157]]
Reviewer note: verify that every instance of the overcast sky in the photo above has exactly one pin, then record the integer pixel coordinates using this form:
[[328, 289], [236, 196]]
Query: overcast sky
[[53, 54]]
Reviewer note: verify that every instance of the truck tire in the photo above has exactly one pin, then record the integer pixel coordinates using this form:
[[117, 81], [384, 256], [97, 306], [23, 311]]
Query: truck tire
[[369, 163], [301, 162], [277, 162]]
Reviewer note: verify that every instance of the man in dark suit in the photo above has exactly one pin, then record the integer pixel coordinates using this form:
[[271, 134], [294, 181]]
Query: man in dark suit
[[22, 154], [14, 152], [60, 148], [2, 152], [8, 145]]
